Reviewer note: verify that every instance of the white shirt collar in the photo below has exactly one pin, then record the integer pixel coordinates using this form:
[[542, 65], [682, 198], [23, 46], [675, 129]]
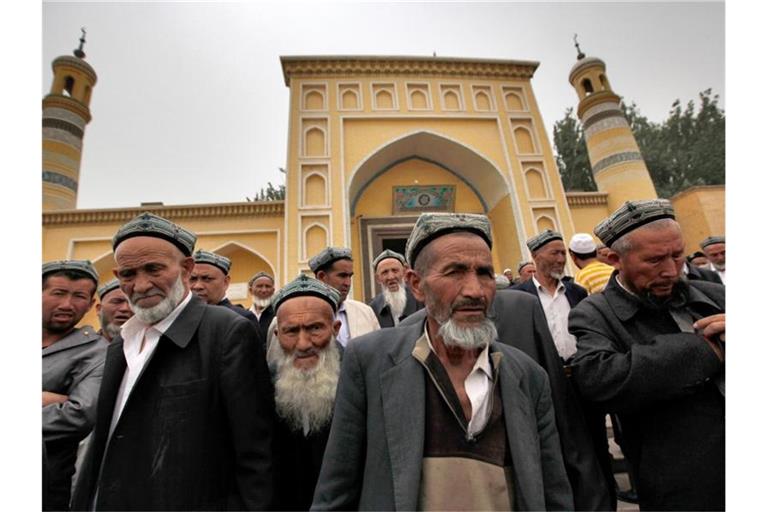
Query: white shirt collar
[[134, 325], [560, 286]]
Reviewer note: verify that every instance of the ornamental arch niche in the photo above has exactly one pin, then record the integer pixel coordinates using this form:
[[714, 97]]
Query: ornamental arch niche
[[424, 159]]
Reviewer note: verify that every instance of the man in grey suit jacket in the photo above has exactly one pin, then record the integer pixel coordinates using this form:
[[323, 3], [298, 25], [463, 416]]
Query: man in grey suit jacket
[[437, 415]]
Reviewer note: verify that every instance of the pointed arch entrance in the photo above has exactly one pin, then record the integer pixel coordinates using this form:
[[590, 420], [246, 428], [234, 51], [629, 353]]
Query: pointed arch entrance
[[424, 171]]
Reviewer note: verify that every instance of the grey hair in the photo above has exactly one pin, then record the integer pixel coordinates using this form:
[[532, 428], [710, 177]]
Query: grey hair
[[624, 244]]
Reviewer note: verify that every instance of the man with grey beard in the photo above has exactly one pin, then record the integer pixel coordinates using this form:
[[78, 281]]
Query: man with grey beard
[[305, 366], [395, 302], [439, 415], [557, 295], [185, 409]]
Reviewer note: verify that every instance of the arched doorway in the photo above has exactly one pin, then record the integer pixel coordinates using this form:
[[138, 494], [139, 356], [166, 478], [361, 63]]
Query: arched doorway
[[423, 171]]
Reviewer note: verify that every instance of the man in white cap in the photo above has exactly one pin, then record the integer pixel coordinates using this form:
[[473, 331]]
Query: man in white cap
[[593, 274]]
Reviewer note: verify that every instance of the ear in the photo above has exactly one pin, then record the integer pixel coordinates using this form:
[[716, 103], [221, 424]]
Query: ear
[[336, 327], [320, 275], [614, 259], [98, 307], [226, 280], [187, 266], [414, 282]]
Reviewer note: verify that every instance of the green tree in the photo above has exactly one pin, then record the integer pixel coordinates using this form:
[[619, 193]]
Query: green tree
[[685, 150], [270, 192], [572, 158]]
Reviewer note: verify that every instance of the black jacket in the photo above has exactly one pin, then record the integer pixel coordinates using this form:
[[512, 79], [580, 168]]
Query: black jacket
[[573, 292], [703, 274], [195, 433], [382, 310], [634, 361]]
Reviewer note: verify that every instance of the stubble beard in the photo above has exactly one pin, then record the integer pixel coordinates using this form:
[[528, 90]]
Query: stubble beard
[[261, 303], [304, 398], [162, 309]]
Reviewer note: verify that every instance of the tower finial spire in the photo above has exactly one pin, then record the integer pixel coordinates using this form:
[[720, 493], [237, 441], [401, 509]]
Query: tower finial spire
[[580, 55], [79, 53]]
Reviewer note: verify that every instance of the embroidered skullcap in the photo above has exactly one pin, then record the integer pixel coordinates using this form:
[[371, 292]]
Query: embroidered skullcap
[[582, 243], [211, 258], [712, 240], [327, 256], [433, 225], [522, 264], [537, 242], [259, 275], [148, 224], [108, 287], [632, 215], [304, 285], [388, 254], [84, 267]]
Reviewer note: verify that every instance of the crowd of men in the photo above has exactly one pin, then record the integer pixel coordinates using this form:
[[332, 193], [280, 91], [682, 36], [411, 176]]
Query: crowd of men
[[453, 389]]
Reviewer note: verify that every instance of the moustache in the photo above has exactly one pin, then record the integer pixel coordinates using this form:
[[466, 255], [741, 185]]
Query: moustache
[[471, 303], [151, 292], [299, 354]]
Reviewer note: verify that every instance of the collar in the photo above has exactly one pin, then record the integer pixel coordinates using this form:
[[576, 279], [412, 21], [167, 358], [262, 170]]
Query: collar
[[560, 285], [482, 362], [625, 303], [133, 326], [342, 307], [77, 337]]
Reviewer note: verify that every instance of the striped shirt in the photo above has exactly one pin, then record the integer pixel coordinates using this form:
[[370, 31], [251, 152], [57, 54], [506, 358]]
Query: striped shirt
[[594, 276]]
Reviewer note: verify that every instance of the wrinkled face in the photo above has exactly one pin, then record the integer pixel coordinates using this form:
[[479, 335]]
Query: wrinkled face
[[263, 288], [148, 267], [339, 276], [390, 273], [65, 302], [550, 259], [209, 283], [114, 308], [460, 282], [305, 326], [653, 264], [716, 254]]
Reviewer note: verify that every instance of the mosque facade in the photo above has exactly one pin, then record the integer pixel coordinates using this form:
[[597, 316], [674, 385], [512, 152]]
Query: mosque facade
[[373, 142]]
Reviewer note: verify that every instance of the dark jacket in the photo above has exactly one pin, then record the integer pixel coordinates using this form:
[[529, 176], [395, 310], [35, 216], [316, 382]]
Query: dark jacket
[[383, 313], [633, 360], [195, 433], [703, 274], [264, 320], [521, 323], [373, 460], [573, 292]]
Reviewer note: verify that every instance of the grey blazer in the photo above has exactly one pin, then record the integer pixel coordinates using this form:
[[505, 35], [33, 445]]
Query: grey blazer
[[374, 453]]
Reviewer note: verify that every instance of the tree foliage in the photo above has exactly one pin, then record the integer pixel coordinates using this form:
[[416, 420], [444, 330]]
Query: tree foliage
[[686, 149], [269, 193]]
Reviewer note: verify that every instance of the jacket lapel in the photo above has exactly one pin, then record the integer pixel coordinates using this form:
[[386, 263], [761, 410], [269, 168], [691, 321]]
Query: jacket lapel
[[403, 402], [520, 436]]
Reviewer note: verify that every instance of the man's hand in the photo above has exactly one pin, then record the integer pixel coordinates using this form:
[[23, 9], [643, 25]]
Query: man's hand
[[713, 329], [53, 398]]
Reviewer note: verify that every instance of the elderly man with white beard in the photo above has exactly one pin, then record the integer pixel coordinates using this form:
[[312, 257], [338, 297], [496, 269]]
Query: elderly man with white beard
[[185, 410], [304, 362], [395, 302], [439, 415]]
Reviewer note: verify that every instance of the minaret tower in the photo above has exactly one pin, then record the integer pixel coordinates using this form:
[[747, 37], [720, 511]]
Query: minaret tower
[[617, 165], [65, 114]]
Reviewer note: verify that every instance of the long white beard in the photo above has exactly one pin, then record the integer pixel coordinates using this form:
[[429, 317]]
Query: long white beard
[[305, 398], [468, 337], [719, 267], [162, 309], [396, 301], [261, 303]]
